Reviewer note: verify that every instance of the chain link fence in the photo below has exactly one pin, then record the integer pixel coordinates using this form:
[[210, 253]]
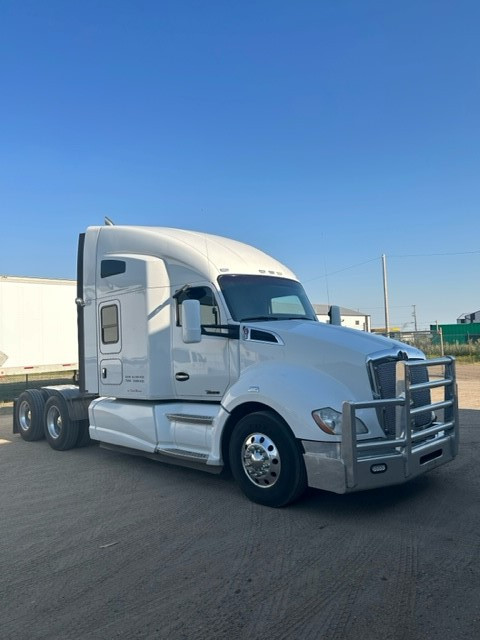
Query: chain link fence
[[436, 343]]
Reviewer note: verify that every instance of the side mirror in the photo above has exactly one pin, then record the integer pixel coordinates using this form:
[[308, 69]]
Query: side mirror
[[335, 315], [191, 323]]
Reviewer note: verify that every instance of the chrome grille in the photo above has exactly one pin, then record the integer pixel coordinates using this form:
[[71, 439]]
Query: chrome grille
[[384, 380]]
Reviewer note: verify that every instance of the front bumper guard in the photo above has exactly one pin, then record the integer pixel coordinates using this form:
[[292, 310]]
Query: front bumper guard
[[368, 464]]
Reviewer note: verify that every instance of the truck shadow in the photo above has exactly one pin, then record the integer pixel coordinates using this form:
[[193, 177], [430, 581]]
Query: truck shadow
[[441, 480], [370, 501], [432, 486]]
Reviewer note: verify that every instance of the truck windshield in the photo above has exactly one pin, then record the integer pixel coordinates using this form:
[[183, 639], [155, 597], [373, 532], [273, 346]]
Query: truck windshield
[[265, 298]]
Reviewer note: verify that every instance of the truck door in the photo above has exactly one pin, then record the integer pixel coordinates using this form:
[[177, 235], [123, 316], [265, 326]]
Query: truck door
[[201, 369], [110, 363]]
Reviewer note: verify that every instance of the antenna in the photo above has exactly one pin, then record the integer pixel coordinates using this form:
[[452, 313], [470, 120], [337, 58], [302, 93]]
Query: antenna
[[108, 222]]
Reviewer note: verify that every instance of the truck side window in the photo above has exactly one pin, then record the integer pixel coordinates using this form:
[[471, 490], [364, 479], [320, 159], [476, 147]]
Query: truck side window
[[208, 307], [112, 268], [109, 324]]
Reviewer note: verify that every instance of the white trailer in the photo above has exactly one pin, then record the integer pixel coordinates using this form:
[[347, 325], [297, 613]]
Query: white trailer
[[38, 325], [202, 351]]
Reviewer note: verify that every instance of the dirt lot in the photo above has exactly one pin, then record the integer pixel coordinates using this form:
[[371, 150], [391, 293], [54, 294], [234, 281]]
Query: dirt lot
[[100, 545], [468, 381]]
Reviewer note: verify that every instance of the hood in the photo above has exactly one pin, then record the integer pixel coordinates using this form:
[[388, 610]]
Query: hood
[[330, 342], [337, 352]]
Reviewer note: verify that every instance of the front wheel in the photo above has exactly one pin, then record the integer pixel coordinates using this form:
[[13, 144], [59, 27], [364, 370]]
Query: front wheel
[[266, 460]]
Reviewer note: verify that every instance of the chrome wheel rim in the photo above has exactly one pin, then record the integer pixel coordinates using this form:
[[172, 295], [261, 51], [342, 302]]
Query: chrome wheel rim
[[25, 416], [54, 422], [261, 460]]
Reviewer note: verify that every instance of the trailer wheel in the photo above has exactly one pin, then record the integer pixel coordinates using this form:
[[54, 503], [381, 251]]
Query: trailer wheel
[[83, 439], [29, 415], [60, 431], [266, 460]]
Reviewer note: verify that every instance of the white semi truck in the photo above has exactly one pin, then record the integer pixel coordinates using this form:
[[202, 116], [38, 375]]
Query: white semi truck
[[205, 352]]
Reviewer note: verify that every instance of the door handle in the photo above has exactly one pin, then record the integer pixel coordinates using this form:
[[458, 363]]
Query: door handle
[[104, 372], [181, 376]]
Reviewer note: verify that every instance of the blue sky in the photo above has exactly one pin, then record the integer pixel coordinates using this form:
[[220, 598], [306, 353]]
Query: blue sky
[[325, 132]]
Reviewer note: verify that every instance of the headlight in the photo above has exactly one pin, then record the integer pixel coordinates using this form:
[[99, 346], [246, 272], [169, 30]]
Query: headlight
[[330, 421]]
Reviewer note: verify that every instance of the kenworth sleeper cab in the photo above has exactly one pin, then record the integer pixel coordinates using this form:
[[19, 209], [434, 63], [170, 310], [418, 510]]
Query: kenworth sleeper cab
[[206, 352]]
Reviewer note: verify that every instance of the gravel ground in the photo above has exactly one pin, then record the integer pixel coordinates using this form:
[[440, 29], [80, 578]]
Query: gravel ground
[[468, 381], [100, 545]]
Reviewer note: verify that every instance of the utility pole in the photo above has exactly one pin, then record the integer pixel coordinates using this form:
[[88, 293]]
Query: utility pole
[[385, 294], [414, 314], [440, 333]]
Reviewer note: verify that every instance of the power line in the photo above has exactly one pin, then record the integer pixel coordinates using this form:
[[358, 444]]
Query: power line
[[326, 275], [398, 306], [429, 255], [406, 255]]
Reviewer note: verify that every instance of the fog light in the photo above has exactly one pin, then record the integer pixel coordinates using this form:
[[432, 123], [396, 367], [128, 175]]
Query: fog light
[[378, 468]]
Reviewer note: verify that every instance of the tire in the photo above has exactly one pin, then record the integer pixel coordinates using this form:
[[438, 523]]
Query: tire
[[60, 431], [29, 415], [83, 439], [266, 460]]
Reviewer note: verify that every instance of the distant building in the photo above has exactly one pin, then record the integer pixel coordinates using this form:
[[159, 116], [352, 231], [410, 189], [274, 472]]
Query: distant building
[[350, 318], [468, 318], [383, 331], [460, 333]]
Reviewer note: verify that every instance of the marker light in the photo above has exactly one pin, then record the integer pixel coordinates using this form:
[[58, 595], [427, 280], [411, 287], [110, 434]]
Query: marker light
[[378, 468]]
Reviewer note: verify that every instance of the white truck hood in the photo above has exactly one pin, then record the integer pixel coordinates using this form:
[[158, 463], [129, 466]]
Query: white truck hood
[[317, 342], [311, 364]]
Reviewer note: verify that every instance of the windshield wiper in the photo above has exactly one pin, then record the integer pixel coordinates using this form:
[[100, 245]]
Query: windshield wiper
[[268, 318], [255, 318]]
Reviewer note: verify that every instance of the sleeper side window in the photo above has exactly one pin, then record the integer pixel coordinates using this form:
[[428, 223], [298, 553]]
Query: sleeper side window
[[112, 268], [109, 324]]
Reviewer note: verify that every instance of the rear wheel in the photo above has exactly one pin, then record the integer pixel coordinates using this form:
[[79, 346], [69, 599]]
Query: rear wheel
[[29, 414], [60, 431], [266, 460]]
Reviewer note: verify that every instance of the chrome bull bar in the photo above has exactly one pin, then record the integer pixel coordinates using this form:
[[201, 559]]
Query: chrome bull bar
[[408, 441]]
